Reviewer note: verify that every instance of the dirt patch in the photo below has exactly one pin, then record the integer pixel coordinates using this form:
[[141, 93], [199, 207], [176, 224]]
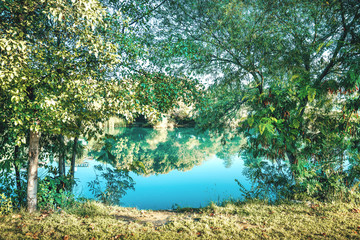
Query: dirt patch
[[162, 217], [157, 218]]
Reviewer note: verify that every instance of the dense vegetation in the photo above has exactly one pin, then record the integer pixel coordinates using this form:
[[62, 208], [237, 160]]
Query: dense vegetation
[[285, 75]]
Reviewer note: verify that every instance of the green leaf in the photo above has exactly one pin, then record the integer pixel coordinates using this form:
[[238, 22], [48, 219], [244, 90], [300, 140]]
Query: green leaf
[[311, 94], [262, 128], [320, 47], [296, 123], [294, 77], [273, 119], [250, 121]]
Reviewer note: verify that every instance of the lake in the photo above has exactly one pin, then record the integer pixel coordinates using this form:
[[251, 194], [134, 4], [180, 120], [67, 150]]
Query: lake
[[180, 167]]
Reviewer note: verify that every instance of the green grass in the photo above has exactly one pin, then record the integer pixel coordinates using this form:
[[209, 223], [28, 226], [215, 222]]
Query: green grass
[[252, 220]]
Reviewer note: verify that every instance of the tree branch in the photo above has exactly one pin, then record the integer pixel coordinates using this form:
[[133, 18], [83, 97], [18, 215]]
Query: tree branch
[[341, 42]]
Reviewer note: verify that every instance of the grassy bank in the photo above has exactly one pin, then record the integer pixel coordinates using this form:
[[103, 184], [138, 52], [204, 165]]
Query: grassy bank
[[232, 221]]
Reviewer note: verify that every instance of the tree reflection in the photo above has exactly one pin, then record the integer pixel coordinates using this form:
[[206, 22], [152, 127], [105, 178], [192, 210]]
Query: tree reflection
[[161, 151]]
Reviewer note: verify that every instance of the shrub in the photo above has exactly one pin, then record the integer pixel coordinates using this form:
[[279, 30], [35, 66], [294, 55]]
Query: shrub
[[6, 205]]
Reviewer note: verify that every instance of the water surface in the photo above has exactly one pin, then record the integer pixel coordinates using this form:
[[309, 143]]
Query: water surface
[[182, 167]]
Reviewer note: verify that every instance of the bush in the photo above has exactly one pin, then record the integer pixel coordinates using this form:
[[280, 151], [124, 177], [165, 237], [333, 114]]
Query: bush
[[89, 208], [55, 192], [312, 181], [6, 205], [118, 181]]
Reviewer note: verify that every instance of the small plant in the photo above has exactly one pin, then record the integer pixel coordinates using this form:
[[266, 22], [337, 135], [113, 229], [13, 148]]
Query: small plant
[[118, 182], [6, 205], [322, 181], [54, 192], [270, 181], [89, 208], [9, 188]]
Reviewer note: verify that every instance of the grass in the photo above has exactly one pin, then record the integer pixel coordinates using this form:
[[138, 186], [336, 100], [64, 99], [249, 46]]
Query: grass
[[251, 220]]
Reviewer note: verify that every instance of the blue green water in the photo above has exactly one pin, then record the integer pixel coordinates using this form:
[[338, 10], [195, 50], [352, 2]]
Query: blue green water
[[181, 167]]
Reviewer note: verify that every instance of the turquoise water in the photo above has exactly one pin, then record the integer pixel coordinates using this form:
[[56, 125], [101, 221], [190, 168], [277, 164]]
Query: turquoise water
[[182, 168], [208, 182]]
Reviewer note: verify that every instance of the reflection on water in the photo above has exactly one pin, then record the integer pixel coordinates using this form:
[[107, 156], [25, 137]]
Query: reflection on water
[[180, 167]]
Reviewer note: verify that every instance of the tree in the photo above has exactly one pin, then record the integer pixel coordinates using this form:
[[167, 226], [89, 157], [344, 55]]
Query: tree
[[68, 65], [42, 74], [292, 65]]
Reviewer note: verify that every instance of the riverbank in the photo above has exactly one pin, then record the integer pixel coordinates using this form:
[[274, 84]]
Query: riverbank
[[255, 220]]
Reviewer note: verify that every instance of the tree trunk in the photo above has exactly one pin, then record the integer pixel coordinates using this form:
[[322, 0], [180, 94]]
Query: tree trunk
[[17, 170], [61, 156], [61, 164], [18, 175], [292, 159], [293, 163], [73, 158], [33, 171]]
